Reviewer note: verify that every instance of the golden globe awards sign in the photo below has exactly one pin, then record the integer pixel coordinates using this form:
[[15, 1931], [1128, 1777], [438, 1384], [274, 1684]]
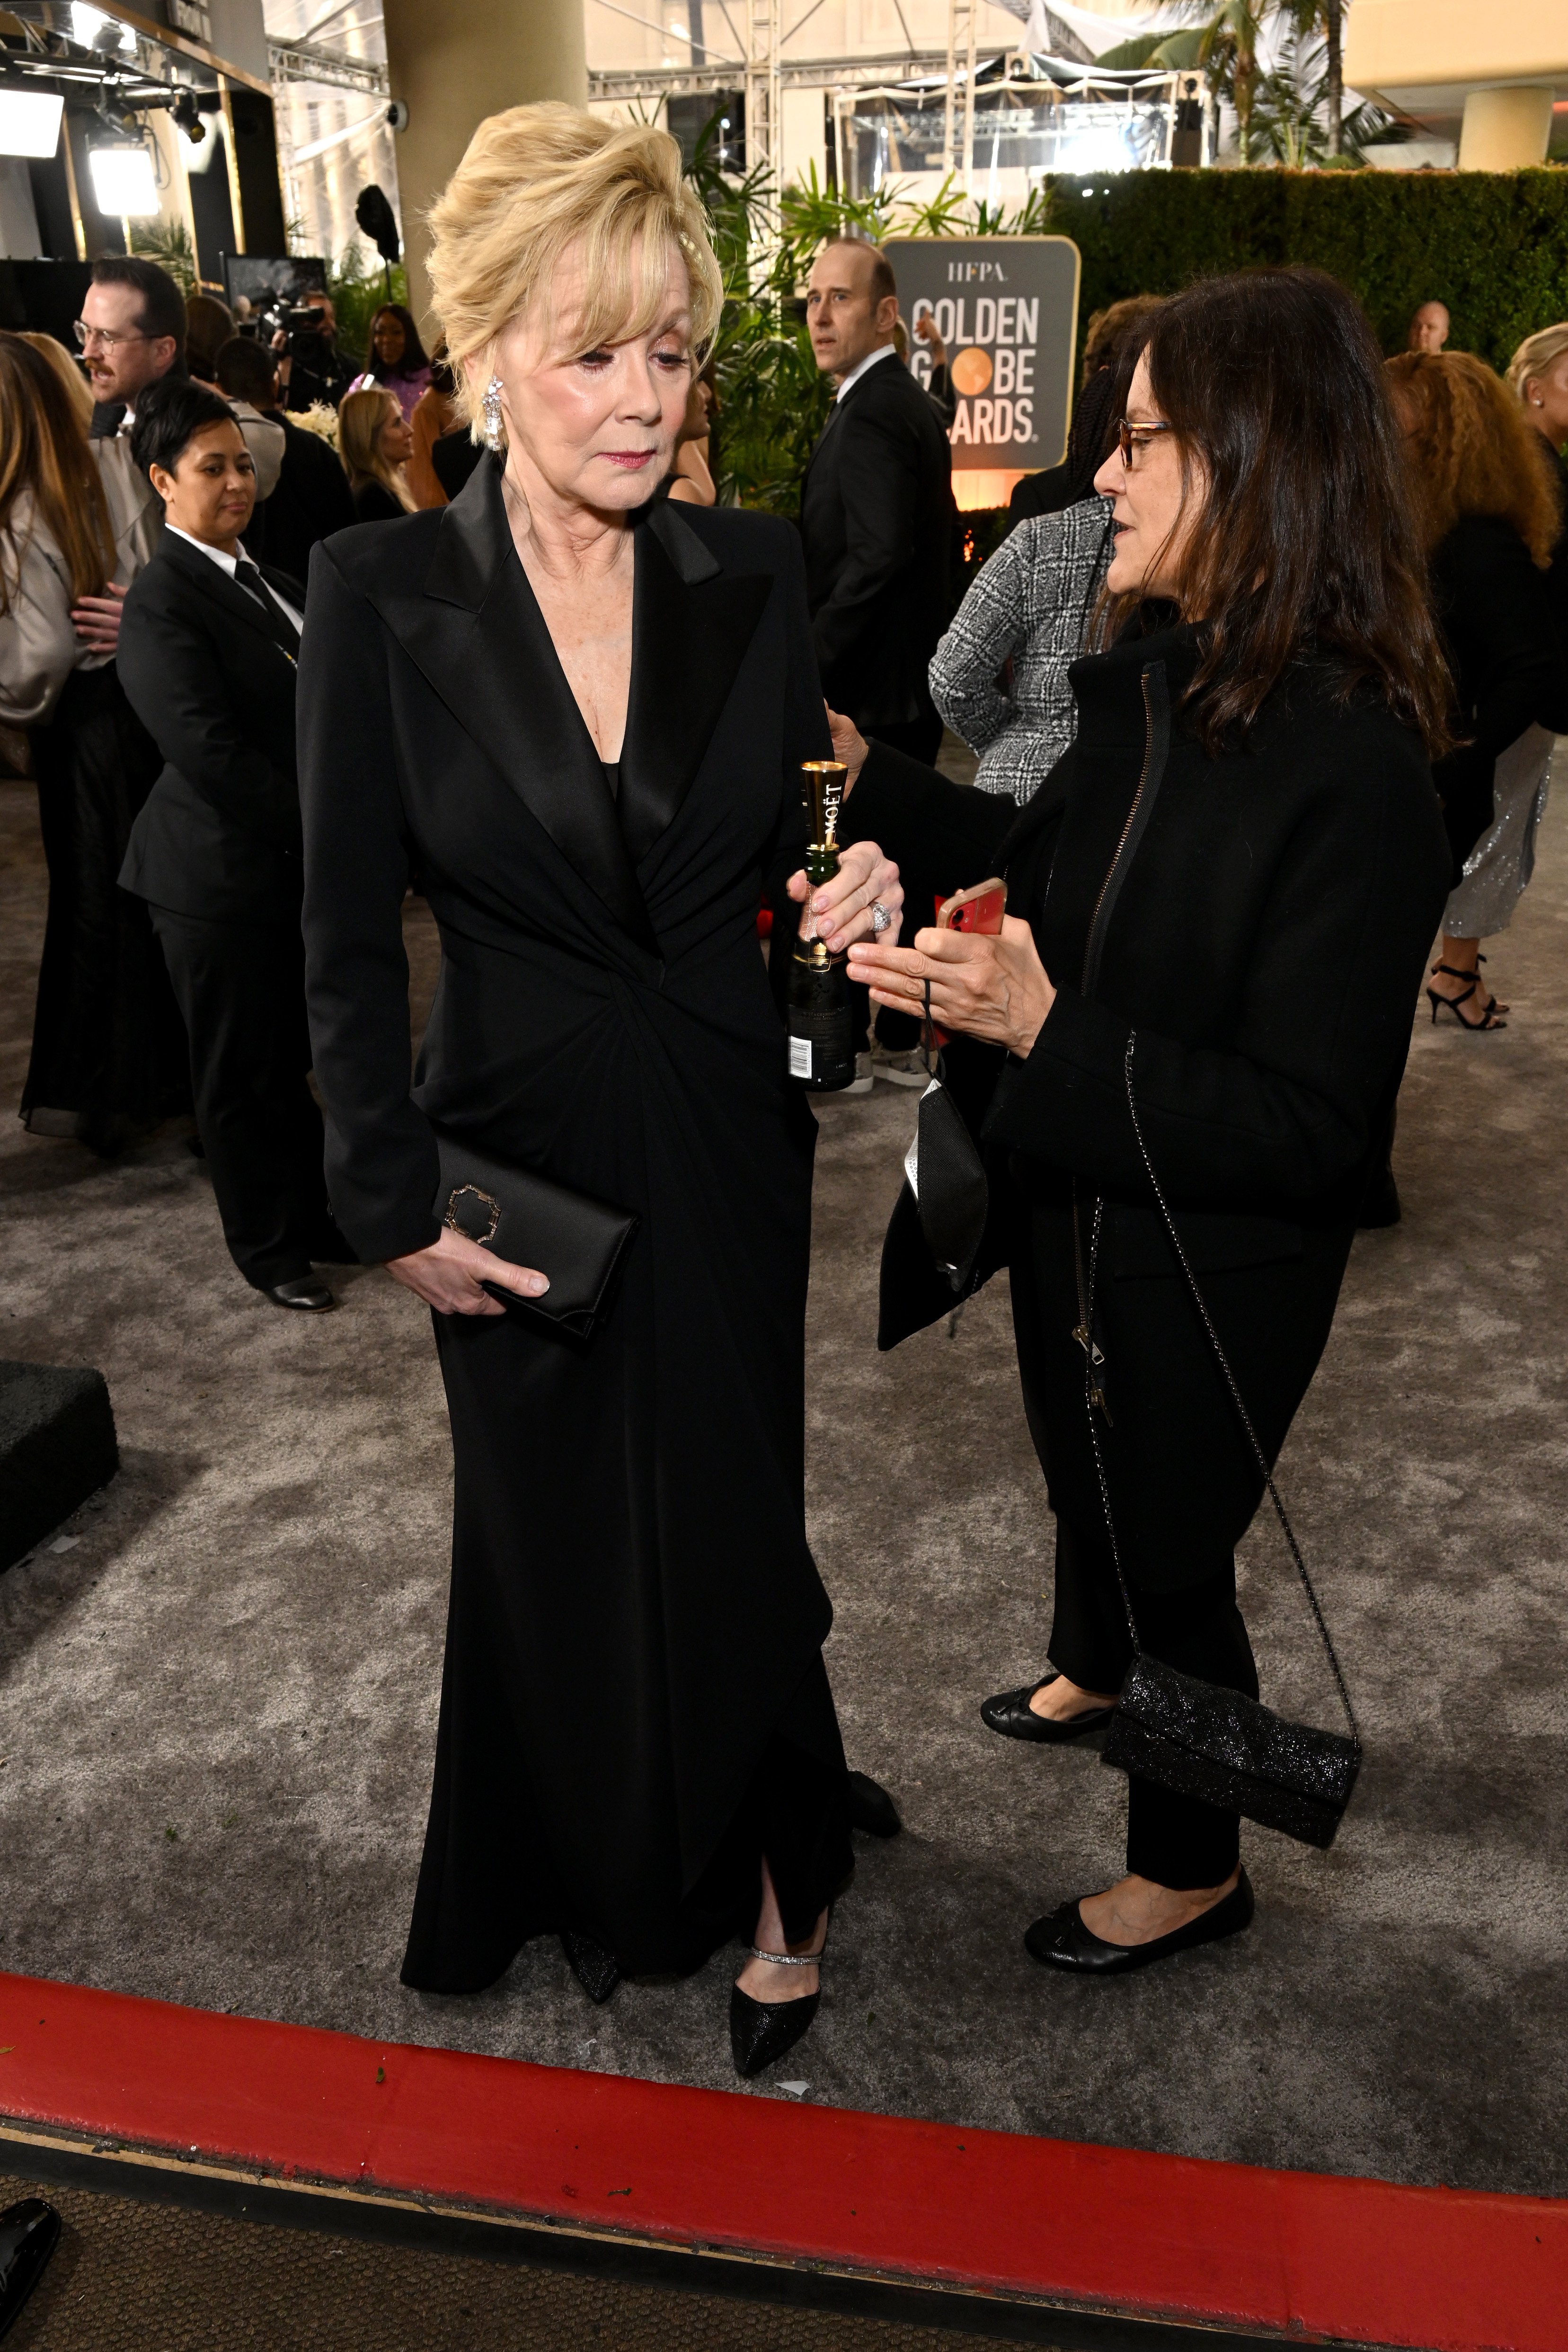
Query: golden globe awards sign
[[1006, 309]]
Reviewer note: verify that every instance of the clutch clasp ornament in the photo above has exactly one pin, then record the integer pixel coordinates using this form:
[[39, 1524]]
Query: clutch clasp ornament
[[489, 1202]]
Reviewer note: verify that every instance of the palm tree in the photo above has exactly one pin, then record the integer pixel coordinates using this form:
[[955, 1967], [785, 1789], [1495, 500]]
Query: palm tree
[[1230, 45]]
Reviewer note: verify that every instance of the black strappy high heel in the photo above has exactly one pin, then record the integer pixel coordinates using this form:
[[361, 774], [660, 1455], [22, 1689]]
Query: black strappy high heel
[[760, 2031], [1489, 1014]]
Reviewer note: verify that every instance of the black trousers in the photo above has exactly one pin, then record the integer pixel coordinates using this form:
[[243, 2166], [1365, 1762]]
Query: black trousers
[[1176, 1841], [897, 1032], [241, 989], [107, 1040]]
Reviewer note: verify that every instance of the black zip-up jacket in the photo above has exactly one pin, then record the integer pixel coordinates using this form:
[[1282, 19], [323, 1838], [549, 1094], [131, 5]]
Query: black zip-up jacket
[[1261, 921]]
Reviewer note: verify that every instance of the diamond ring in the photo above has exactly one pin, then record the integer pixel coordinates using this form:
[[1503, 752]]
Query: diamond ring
[[881, 920]]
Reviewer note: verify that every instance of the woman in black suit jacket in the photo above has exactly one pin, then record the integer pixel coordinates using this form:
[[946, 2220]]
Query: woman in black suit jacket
[[1232, 877], [207, 652], [577, 716]]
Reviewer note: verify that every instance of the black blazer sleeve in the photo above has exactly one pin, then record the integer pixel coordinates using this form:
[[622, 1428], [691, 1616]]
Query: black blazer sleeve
[[169, 667], [382, 1166], [1497, 609], [941, 836], [878, 461], [1289, 1110], [806, 735]]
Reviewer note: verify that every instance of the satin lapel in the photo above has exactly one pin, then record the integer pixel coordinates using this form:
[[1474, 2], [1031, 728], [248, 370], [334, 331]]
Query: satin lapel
[[480, 639], [692, 623]]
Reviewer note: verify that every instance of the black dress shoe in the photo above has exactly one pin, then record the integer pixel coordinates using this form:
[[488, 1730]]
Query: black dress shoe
[[1062, 1941], [760, 2031], [29, 2232], [1010, 1714], [871, 1809], [306, 1292], [596, 1970]]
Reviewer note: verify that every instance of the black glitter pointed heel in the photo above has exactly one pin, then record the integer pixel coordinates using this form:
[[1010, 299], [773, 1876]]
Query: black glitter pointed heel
[[596, 1970], [760, 2031]]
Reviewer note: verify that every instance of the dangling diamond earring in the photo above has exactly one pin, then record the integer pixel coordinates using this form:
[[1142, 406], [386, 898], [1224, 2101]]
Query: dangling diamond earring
[[490, 409]]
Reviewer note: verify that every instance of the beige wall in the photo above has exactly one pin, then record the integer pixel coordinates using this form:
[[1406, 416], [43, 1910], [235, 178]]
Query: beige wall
[[452, 66], [1402, 44]]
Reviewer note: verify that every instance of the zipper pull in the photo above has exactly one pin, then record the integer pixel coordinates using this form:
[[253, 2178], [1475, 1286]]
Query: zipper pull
[[1096, 1357], [1086, 1339]]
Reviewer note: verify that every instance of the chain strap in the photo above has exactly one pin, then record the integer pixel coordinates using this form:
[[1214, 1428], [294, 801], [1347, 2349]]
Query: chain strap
[[1224, 1363]]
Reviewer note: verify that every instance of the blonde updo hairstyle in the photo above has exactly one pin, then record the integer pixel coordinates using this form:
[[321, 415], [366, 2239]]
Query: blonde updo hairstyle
[[1536, 354], [539, 181]]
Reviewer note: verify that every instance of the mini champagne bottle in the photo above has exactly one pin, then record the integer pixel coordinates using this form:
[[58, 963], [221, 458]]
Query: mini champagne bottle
[[821, 1045]]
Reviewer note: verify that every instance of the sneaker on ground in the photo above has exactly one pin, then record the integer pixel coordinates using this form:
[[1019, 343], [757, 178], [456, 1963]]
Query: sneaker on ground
[[863, 1081], [902, 1069]]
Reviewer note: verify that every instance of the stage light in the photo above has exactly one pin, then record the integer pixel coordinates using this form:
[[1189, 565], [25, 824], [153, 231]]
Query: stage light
[[122, 183], [187, 118], [29, 122]]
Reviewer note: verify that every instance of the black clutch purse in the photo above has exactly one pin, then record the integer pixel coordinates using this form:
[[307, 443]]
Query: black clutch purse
[[580, 1243], [1191, 1735]]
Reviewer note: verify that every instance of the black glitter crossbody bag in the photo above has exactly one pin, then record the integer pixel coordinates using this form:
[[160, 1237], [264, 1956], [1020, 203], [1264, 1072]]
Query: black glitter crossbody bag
[[1190, 1735]]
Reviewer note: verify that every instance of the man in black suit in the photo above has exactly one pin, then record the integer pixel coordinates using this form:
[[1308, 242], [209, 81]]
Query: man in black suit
[[312, 498], [876, 515], [207, 652], [876, 510]]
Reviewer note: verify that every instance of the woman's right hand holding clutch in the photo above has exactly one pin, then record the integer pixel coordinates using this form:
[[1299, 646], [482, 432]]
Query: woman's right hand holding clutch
[[448, 1273]]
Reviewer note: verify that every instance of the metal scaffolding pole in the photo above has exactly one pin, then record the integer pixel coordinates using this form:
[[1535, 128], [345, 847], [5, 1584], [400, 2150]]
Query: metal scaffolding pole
[[960, 56], [763, 142]]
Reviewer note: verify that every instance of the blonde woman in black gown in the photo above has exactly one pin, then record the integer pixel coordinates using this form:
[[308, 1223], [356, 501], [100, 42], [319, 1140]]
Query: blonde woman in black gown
[[576, 713]]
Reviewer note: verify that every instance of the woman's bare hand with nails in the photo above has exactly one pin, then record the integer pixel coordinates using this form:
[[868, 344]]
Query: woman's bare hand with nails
[[448, 1273], [841, 907], [996, 989]]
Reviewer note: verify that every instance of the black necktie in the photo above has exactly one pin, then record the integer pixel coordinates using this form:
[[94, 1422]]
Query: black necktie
[[247, 575]]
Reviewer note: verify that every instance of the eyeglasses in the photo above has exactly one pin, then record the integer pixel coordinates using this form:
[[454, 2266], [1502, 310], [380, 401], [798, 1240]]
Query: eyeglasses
[[86, 334], [1130, 437]]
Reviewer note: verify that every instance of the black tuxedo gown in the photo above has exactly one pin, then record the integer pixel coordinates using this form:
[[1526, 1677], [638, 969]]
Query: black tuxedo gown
[[634, 1706]]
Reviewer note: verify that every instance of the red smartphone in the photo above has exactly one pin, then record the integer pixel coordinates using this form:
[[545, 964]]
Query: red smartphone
[[979, 908]]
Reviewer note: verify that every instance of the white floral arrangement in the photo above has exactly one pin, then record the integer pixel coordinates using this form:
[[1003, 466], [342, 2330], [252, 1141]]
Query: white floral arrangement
[[318, 418]]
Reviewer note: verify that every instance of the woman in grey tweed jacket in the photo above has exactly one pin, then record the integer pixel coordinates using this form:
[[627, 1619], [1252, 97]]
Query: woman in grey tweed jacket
[[1032, 601]]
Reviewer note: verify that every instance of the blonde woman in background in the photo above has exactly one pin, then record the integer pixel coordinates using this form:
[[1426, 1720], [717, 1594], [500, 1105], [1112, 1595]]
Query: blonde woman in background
[[375, 443], [1539, 373], [109, 1058]]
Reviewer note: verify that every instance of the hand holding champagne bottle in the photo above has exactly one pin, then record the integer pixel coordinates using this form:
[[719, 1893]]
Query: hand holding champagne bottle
[[844, 891]]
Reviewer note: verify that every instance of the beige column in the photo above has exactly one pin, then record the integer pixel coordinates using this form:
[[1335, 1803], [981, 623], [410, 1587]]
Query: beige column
[[1505, 128], [453, 63]]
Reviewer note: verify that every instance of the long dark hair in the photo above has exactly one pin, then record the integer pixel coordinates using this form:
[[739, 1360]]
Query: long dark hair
[[414, 355], [1307, 542]]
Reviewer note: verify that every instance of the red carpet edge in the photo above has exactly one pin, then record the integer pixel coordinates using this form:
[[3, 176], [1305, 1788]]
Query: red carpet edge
[[1308, 2256]]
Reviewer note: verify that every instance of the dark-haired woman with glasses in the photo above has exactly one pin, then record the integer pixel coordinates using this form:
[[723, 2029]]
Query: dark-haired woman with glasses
[[1234, 873]]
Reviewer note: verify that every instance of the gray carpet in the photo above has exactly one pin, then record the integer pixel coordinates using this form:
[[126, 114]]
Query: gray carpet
[[218, 1706]]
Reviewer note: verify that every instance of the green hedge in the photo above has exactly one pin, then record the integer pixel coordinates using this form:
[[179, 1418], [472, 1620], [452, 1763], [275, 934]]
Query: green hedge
[[1493, 245]]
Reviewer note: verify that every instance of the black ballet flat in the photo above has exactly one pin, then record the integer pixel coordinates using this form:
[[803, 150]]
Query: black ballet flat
[[871, 1809], [596, 1970], [1010, 1714], [30, 2233], [760, 2031], [1062, 1941]]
